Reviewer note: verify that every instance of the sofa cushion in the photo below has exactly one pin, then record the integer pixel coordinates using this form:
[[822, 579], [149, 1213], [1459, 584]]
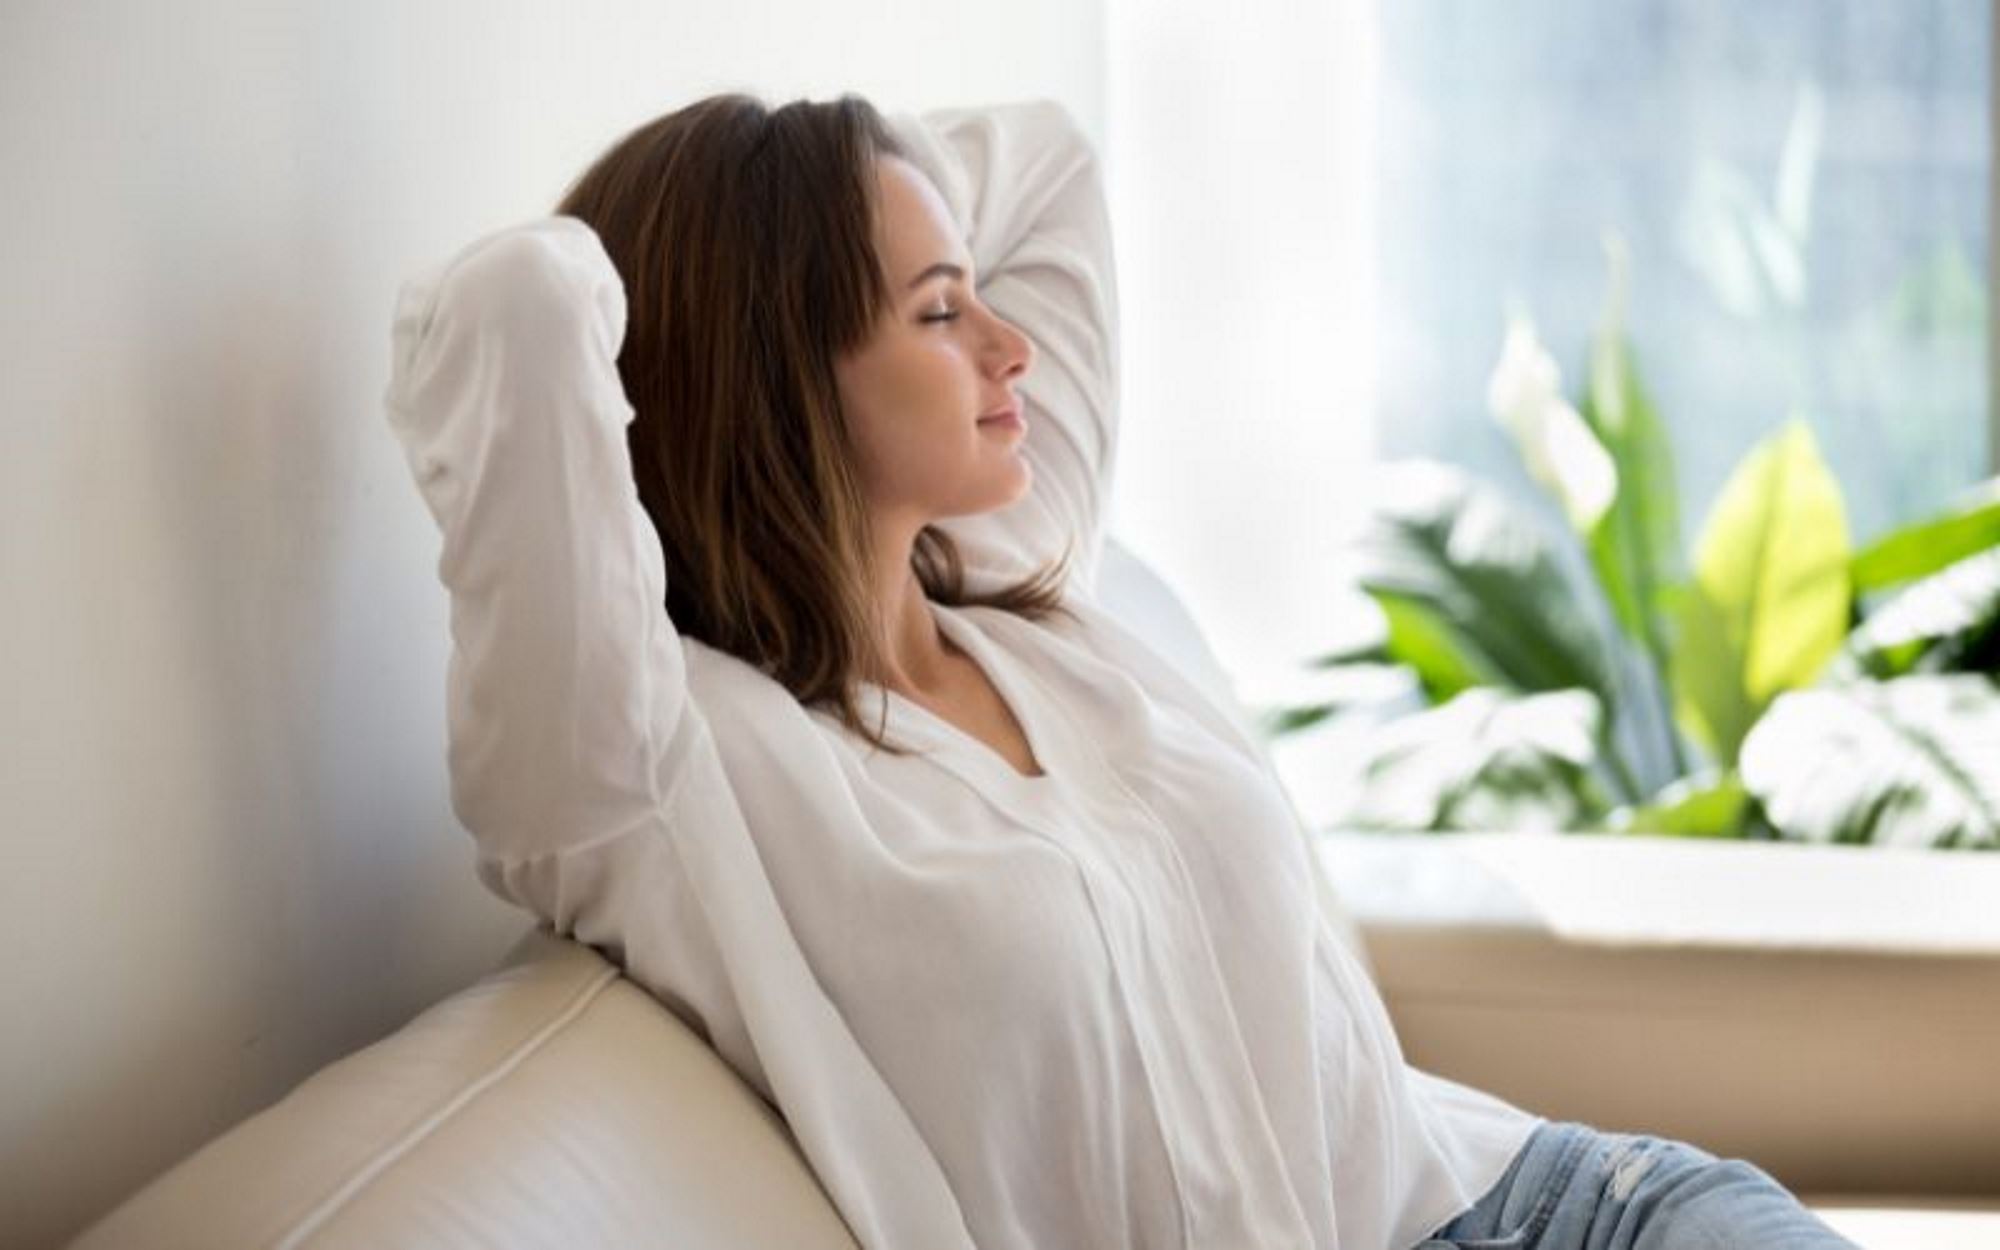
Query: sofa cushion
[[553, 1103]]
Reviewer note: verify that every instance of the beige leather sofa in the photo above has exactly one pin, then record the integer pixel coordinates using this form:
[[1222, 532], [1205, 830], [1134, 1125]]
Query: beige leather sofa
[[555, 1104]]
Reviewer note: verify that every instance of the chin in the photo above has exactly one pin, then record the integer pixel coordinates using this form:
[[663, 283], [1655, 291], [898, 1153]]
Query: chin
[[1019, 490], [986, 507], [998, 495]]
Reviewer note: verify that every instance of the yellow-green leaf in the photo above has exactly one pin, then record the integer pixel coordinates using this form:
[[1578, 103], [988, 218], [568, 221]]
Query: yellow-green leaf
[[1707, 805], [1771, 594]]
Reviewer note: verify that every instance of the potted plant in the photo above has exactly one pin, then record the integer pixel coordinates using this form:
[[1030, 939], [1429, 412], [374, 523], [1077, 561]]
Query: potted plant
[[1774, 682]]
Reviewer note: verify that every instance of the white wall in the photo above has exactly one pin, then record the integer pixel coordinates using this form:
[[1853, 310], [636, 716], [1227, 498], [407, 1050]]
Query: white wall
[[228, 853]]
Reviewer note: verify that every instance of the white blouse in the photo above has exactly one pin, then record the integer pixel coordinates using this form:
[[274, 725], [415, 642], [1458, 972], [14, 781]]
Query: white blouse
[[1092, 1008]]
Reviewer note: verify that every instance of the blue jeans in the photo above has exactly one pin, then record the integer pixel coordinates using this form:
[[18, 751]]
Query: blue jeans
[[1575, 1188]]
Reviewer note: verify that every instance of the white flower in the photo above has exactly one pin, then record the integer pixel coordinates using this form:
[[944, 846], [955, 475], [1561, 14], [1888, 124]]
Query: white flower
[[1559, 449]]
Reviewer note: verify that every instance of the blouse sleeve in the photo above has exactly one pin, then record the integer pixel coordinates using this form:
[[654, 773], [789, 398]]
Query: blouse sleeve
[[590, 778], [1024, 187], [566, 691]]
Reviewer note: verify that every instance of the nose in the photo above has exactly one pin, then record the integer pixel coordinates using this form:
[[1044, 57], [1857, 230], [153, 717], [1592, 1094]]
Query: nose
[[1009, 352]]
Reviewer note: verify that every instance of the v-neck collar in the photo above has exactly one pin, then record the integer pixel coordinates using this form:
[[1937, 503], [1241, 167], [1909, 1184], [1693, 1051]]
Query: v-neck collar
[[961, 752], [1073, 765], [1010, 685]]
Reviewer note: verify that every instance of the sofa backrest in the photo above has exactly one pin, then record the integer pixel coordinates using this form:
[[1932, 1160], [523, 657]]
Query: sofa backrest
[[553, 1104]]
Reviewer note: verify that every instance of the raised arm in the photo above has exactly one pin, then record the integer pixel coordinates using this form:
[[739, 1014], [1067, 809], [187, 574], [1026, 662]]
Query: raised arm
[[567, 683], [1025, 188], [598, 796]]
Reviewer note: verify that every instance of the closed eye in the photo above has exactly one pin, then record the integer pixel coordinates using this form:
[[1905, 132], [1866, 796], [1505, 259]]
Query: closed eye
[[949, 314]]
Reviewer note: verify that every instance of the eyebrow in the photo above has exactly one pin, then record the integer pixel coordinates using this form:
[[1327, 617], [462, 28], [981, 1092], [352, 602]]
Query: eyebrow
[[943, 268]]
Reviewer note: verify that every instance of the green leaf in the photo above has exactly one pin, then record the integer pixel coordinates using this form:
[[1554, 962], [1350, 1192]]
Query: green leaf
[[1339, 691], [1444, 659], [1770, 599], [1977, 652], [1360, 653], [1909, 762], [1934, 624], [1280, 721], [1922, 549], [1484, 760], [1471, 590], [1361, 639], [1709, 805], [1635, 545]]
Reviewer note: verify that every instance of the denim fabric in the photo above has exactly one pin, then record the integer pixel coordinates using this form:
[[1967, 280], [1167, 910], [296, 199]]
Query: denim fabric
[[1575, 1188]]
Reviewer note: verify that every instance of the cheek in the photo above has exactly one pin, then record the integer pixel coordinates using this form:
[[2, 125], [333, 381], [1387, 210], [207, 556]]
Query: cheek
[[884, 432], [909, 410], [868, 407], [917, 392], [926, 383]]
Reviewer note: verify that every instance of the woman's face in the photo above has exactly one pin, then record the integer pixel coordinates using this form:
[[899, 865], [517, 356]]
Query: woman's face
[[937, 361]]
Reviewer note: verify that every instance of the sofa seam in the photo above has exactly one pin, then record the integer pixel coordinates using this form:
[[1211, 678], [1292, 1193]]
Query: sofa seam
[[314, 1221]]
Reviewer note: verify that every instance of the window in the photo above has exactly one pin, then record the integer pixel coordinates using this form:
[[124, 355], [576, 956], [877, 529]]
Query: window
[[1803, 190], [1325, 214]]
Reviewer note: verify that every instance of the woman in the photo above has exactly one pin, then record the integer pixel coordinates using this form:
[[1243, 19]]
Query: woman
[[794, 701]]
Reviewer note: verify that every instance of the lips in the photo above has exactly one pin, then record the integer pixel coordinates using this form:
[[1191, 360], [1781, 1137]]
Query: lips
[[1011, 413]]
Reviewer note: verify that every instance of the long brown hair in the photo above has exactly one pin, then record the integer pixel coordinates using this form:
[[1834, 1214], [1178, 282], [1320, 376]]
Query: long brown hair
[[745, 239]]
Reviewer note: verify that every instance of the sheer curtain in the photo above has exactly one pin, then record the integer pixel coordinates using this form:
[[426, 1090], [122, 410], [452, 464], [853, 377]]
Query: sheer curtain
[[1239, 169]]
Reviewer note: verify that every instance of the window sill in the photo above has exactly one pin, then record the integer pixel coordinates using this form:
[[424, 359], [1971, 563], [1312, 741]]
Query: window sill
[[1658, 891], [1825, 1012]]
